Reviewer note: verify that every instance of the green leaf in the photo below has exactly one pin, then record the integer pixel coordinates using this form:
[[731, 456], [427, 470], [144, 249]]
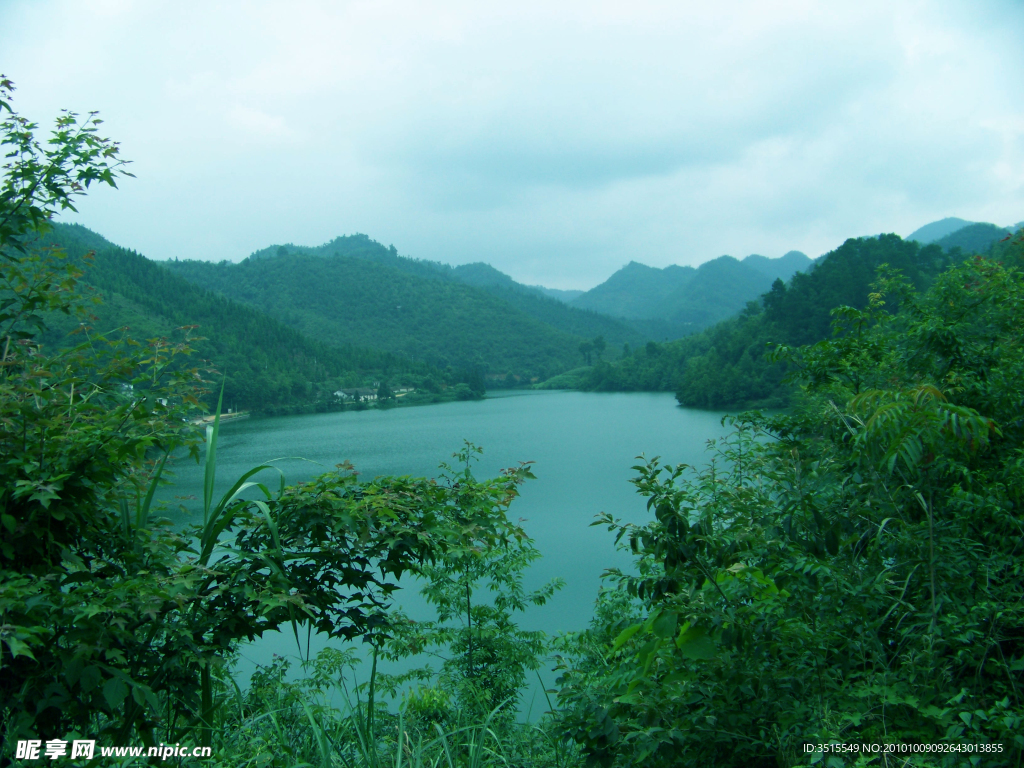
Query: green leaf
[[694, 643], [665, 625], [114, 691], [630, 698], [18, 648], [624, 636]]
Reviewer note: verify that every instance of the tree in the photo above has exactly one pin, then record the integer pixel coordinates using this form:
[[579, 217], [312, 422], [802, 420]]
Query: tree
[[847, 573], [112, 624], [76, 428], [586, 348], [486, 655]]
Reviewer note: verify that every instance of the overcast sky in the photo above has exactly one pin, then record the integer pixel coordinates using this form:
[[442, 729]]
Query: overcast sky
[[554, 140]]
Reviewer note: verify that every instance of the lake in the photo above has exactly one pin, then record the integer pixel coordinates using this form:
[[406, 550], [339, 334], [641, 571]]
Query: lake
[[583, 446]]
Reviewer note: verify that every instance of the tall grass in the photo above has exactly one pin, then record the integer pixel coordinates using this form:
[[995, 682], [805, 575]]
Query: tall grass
[[319, 720]]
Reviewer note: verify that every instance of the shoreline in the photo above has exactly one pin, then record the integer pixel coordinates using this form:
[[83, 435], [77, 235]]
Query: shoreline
[[223, 417]]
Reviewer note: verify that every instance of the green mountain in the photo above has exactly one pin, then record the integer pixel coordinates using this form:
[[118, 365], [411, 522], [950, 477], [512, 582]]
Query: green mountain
[[725, 365], [266, 365], [783, 267], [482, 276], [358, 246], [391, 305], [969, 236], [973, 238], [636, 291], [540, 305], [929, 233], [532, 301], [676, 301], [719, 288]]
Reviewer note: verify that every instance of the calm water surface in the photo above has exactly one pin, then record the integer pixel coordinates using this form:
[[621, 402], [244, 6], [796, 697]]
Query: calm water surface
[[583, 446]]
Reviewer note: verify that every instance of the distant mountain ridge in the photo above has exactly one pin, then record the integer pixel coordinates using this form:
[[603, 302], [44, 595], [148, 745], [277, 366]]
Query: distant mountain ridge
[[685, 299], [635, 304], [534, 301], [562, 295], [725, 365], [783, 268], [974, 238], [636, 291], [929, 233], [342, 300], [971, 236], [291, 323]]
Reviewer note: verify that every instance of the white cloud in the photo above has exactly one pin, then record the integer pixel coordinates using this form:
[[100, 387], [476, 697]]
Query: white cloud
[[557, 141]]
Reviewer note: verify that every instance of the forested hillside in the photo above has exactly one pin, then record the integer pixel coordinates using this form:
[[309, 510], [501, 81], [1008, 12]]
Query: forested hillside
[[677, 301], [636, 290], [783, 267], [970, 236], [935, 230], [974, 238], [565, 296], [343, 300], [533, 301], [265, 364], [636, 304], [540, 305], [719, 288]]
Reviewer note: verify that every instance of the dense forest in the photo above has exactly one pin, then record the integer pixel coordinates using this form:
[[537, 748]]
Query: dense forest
[[356, 290], [266, 366], [841, 584], [339, 300]]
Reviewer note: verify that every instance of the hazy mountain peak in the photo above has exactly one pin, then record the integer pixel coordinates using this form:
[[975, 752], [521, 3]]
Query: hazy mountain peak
[[929, 233], [689, 298], [635, 290], [974, 238], [720, 259], [482, 275], [783, 267]]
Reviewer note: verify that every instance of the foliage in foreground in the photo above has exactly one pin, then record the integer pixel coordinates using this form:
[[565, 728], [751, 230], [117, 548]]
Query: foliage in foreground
[[319, 718], [851, 573], [113, 626]]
